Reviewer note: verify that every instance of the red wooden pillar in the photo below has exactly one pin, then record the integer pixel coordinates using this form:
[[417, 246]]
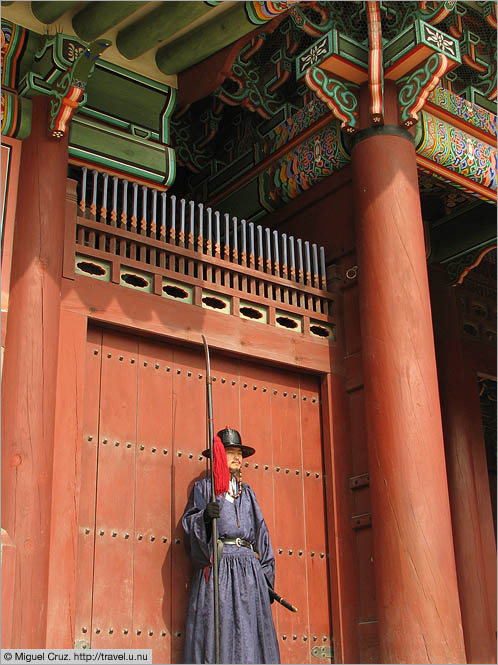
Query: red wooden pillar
[[415, 576], [463, 433], [29, 373]]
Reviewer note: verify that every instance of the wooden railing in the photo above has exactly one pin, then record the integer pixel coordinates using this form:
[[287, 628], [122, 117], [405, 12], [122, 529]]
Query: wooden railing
[[144, 239]]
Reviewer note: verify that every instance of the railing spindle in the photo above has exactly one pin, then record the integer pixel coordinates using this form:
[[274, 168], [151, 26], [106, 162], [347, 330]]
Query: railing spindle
[[252, 252], [190, 242], [143, 223], [134, 215], [80, 234], [153, 226], [226, 249], [200, 237], [209, 244], [103, 207], [284, 265], [134, 221], [162, 230], [243, 253], [190, 239], [181, 237], [114, 212], [114, 209], [316, 280], [124, 206], [323, 269], [276, 263], [268, 251], [307, 265], [235, 249], [93, 207], [300, 270], [217, 246], [172, 230], [84, 171], [123, 222]]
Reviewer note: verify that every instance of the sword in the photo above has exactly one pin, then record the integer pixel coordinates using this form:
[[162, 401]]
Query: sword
[[214, 522], [281, 600]]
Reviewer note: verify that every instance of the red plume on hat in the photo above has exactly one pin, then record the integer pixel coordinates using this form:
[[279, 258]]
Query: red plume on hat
[[220, 467]]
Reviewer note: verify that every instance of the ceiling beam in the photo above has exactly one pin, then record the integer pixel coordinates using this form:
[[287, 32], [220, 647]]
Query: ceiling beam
[[157, 26], [204, 41], [48, 12], [98, 17]]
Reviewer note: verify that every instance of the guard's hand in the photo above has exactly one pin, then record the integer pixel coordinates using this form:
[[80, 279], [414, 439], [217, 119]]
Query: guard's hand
[[212, 510]]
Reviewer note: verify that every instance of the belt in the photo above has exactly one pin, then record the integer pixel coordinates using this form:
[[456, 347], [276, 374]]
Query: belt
[[240, 542]]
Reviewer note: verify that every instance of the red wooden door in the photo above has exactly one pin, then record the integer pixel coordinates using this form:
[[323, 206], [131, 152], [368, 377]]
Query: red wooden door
[[144, 431]]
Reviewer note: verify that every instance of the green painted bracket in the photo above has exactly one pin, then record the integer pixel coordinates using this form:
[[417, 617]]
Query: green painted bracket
[[337, 95]]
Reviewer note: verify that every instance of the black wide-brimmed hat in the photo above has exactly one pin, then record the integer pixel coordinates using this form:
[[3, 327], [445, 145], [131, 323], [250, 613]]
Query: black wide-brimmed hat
[[231, 438]]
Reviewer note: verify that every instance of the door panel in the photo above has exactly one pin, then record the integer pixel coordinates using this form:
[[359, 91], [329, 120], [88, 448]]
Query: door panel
[[114, 529], [88, 489], [145, 411], [151, 578]]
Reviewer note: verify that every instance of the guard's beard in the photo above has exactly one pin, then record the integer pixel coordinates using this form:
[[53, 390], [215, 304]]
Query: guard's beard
[[235, 473]]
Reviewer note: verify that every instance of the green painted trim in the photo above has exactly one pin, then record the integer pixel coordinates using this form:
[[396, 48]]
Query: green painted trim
[[166, 116], [204, 41], [105, 117], [98, 17], [157, 26], [48, 12], [24, 120], [171, 167], [116, 165], [33, 84]]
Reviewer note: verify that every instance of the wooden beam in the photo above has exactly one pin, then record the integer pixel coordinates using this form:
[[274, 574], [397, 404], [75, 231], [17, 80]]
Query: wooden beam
[[157, 26], [48, 12], [98, 17]]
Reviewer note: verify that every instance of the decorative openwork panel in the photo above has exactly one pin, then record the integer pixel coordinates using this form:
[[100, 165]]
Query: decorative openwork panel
[[149, 241]]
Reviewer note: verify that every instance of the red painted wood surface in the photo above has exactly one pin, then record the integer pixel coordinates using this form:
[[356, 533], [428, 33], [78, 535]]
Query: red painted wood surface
[[30, 373], [112, 615], [8, 577], [68, 445], [88, 489], [416, 587], [112, 304], [463, 439], [157, 404]]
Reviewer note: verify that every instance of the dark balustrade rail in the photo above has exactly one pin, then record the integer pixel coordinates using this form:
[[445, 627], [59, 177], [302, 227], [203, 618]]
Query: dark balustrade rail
[[148, 230]]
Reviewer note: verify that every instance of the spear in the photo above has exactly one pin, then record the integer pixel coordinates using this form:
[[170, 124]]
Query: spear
[[214, 523]]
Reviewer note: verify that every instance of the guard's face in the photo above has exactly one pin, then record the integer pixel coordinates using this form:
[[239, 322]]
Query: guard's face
[[234, 458]]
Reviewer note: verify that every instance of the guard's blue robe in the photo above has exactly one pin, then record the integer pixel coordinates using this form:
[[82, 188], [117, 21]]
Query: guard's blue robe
[[247, 633]]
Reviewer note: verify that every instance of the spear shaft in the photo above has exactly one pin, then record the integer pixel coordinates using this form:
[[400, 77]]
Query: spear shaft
[[214, 522]]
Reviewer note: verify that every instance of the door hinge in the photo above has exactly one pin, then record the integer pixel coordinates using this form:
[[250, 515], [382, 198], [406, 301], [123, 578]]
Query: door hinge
[[323, 652], [81, 644]]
